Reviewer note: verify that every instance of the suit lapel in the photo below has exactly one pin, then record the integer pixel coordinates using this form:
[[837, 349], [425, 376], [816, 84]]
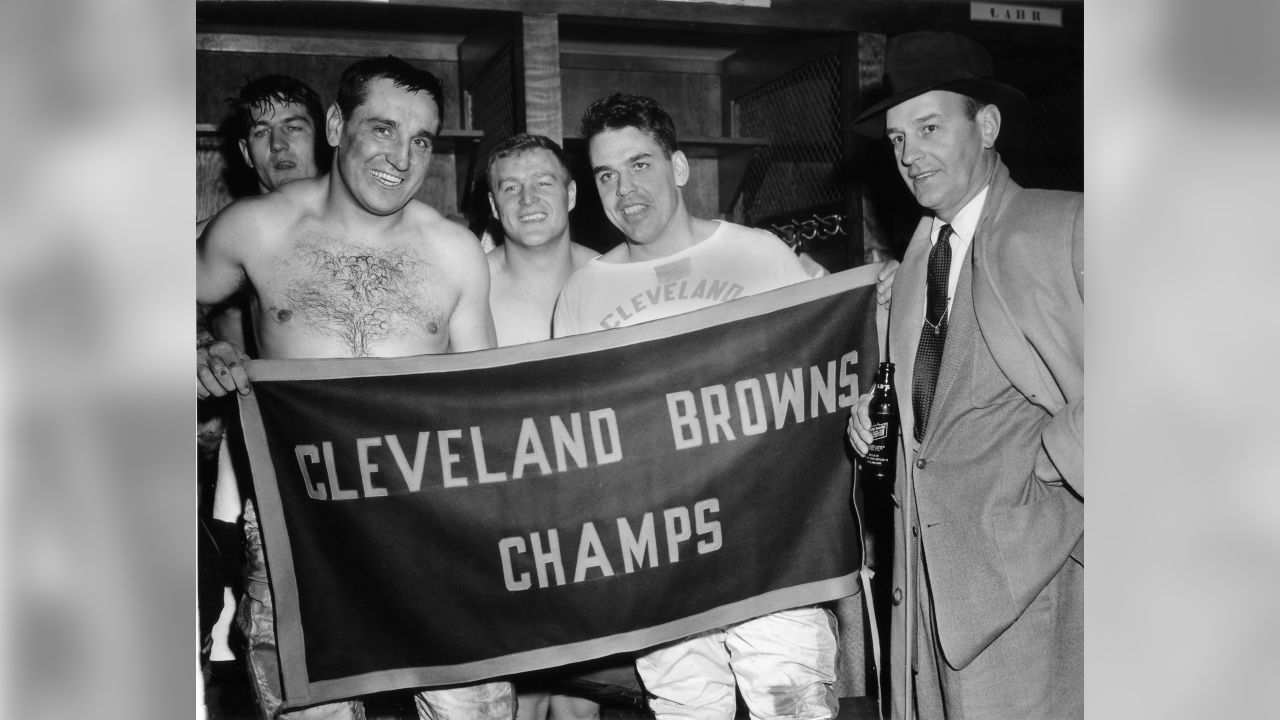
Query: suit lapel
[[907, 315], [1004, 337]]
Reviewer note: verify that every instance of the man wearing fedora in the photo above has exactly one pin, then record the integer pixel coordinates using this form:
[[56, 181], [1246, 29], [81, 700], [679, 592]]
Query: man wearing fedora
[[986, 330]]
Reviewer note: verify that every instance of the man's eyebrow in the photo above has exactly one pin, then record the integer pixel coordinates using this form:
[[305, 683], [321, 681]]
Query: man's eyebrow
[[628, 161], [917, 122], [395, 124], [296, 117]]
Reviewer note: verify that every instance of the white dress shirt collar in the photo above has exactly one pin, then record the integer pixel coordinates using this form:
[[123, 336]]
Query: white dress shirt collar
[[962, 227]]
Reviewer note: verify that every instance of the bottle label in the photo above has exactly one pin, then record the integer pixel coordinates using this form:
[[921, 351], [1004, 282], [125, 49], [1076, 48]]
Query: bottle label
[[880, 451], [879, 430]]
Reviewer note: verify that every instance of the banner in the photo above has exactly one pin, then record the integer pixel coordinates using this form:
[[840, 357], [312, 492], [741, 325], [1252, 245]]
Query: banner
[[445, 519]]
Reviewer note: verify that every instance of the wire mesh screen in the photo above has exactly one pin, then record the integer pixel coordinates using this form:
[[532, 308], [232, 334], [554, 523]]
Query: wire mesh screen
[[1046, 150], [799, 113], [492, 101]]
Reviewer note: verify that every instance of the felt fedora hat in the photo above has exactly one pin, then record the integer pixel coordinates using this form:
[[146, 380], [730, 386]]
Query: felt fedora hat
[[918, 62]]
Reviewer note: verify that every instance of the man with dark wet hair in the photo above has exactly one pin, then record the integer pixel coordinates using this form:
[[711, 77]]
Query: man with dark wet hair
[[277, 121]]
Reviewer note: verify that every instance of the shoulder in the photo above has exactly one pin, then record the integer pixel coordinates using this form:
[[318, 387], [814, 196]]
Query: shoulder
[[580, 277], [1036, 241], [589, 277], [497, 260], [451, 247], [743, 232], [1033, 220], [577, 296], [615, 255], [1026, 208], [1017, 212], [761, 241], [247, 222], [580, 255], [425, 218], [442, 232], [1063, 200], [765, 249], [281, 206]]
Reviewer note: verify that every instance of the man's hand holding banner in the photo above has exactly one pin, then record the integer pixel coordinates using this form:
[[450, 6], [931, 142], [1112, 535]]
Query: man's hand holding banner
[[444, 519]]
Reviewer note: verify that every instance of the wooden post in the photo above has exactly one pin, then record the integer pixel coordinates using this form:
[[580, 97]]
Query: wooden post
[[541, 62]]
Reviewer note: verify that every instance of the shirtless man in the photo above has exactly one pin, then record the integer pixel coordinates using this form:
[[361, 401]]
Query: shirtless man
[[276, 121], [531, 193], [350, 265]]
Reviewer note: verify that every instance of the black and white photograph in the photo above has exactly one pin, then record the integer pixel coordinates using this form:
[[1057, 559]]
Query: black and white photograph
[[432, 487], [638, 359]]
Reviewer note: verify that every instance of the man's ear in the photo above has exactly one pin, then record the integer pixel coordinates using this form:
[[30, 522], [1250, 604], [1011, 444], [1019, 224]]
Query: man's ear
[[680, 164], [572, 187], [333, 125], [988, 120], [244, 152], [493, 207]]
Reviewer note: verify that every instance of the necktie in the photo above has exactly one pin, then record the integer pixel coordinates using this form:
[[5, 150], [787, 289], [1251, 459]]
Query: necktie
[[924, 376]]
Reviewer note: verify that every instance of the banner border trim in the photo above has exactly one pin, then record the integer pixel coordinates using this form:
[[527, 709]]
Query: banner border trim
[[531, 660], [297, 684]]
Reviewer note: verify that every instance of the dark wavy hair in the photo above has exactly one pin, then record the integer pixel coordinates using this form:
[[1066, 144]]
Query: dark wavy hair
[[638, 111], [353, 88], [257, 95], [521, 143], [253, 100]]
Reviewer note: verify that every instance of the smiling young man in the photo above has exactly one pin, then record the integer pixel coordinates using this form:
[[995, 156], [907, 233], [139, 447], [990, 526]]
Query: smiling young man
[[783, 663], [684, 262], [987, 331], [531, 193], [349, 265]]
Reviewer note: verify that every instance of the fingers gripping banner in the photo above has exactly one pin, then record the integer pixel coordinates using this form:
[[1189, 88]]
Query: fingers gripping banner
[[445, 519]]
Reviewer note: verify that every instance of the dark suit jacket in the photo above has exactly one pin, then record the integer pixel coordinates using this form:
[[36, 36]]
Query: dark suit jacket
[[995, 528]]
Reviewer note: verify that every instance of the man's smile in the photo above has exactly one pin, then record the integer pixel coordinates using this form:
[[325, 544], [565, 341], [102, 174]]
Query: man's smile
[[386, 178]]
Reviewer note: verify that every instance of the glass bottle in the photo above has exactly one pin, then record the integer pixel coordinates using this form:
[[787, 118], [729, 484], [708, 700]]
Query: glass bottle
[[882, 453]]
